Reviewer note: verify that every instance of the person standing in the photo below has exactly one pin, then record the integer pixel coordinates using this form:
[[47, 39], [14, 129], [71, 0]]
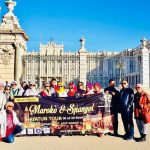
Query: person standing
[[89, 89], [60, 92], [32, 90], [23, 88], [7, 93], [111, 90], [46, 91], [2, 96], [14, 90], [142, 111], [126, 109], [53, 87], [80, 90], [72, 90]]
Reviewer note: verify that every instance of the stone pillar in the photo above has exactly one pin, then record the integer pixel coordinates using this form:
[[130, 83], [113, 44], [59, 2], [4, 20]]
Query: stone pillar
[[12, 45], [18, 63], [82, 62], [144, 75]]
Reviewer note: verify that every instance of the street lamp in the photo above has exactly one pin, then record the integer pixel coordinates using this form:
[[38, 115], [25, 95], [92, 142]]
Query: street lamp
[[120, 66]]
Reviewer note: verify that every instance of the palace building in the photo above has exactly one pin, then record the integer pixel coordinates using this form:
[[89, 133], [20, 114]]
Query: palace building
[[17, 63]]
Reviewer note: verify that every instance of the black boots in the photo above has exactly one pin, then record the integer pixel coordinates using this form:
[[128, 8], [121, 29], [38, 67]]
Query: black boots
[[142, 138]]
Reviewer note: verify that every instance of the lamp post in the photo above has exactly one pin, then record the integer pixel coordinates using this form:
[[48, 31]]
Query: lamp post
[[120, 66]]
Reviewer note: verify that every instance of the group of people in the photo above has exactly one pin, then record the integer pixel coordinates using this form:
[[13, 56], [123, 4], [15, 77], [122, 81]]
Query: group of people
[[124, 101]]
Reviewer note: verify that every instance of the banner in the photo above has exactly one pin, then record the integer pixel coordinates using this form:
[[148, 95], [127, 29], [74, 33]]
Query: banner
[[57, 116]]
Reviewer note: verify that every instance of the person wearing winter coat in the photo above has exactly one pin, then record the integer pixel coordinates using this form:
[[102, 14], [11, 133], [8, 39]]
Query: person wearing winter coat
[[32, 90], [126, 109], [14, 90], [142, 111], [10, 125]]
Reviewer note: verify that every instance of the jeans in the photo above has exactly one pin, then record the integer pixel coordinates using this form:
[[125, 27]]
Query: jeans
[[127, 118], [10, 138], [142, 127]]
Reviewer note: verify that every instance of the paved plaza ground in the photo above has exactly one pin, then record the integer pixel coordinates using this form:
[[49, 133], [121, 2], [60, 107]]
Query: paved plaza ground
[[77, 143]]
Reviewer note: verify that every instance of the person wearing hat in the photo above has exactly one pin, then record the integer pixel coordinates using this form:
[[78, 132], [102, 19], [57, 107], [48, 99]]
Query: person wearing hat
[[14, 90], [10, 125], [46, 91], [2, 96], [32, 90], [60, 91], [141, 110]]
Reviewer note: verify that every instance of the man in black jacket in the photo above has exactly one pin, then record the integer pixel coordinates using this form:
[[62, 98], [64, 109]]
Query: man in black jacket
[[126, 108], [114, 103]]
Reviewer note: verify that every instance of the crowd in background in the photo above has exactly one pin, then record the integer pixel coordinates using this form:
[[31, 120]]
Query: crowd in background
[[124, 101]]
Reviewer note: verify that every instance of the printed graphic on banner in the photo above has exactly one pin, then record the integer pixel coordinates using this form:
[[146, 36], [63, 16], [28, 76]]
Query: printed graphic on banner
[[66, 115]]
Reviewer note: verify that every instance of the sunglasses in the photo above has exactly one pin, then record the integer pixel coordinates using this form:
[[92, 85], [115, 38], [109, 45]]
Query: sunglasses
[[10, 106], [138, 87], [32, 85], [7, 89], [124, 83], [59, 86], [14, 84]]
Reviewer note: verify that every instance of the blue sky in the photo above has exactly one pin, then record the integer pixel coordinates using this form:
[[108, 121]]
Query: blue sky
[[106, 24]]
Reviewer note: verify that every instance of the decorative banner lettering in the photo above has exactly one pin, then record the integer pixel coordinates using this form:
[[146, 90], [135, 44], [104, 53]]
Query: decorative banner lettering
[[56, 116]]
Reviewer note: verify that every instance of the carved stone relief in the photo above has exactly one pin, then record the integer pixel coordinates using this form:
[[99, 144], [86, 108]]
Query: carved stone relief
[[6, 54]]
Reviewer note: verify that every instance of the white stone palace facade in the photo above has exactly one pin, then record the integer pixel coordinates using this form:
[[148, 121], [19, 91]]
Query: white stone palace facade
[[16, 63]]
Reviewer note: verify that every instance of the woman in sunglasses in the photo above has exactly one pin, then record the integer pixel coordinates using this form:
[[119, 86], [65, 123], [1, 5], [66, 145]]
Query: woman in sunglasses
[[60, 92], [10, 124], [125, 104], [13, 90], [32, 90]]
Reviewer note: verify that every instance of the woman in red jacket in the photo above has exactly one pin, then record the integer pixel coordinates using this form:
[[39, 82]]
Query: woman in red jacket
[[142, 111]]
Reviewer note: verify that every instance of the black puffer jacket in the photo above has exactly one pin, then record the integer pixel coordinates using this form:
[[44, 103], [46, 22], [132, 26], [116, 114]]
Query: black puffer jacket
[[126, 99]]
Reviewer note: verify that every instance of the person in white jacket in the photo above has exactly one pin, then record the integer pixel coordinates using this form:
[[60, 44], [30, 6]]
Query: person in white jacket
[[2, 96], [9, 123], [32, 90]]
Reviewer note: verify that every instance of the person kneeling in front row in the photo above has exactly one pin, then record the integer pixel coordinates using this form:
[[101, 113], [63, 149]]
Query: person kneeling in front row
[[10, 124]]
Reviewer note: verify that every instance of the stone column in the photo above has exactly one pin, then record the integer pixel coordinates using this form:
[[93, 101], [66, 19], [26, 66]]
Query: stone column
[[18, 63], [144, 75], [82, 62]]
